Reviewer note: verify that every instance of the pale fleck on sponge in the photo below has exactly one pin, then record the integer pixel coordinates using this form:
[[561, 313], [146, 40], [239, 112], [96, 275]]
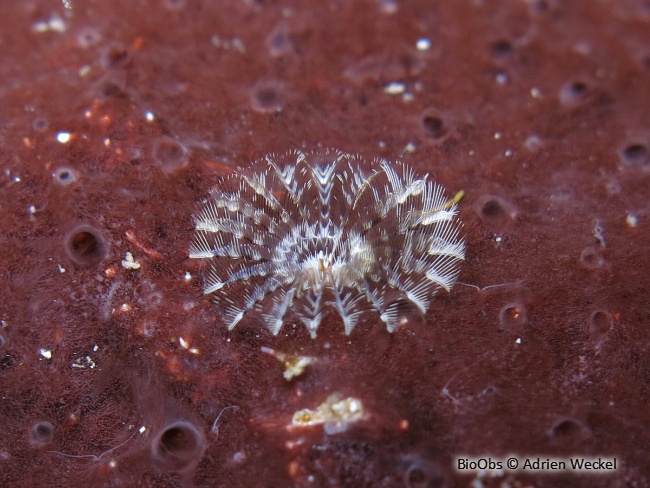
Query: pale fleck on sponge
[[301, 234]]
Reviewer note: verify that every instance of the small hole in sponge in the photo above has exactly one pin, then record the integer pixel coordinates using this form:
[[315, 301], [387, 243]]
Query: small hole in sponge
[[42, 432], [178, 446], [568, 430], [599, 323], [111, 89], [86, 246], [495, 212], [424, 474], [578, 88], [635, 154], [501, 48], [267, 97], [492, 208], [170, 154], [437, 126], [416, 477], [513, 317], [40, 124], [64, 176], [574, 93], [434, 126], [116, 57], [8, 361]]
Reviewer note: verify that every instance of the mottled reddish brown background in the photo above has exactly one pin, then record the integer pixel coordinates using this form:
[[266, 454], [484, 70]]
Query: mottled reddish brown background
[[539, 110]]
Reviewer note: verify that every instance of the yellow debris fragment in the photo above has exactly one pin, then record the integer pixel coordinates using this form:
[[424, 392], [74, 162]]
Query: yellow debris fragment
[[294, 365], [455, 199], [335, 412]]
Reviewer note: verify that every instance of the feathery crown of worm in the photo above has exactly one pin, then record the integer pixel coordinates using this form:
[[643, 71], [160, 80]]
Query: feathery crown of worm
[[314, 233]]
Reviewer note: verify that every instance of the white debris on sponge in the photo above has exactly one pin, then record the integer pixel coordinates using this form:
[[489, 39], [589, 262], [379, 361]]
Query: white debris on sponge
[[129, 262], [335, 413]]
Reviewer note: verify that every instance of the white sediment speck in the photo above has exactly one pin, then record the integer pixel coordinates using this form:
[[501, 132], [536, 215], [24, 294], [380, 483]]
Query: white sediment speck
[[46, 353], [631, 220], [129, 262], [53, 24], [423, 44], [63, 137], [408, 97], [409, 148], [336, 413], [85, 362], [395, 88]]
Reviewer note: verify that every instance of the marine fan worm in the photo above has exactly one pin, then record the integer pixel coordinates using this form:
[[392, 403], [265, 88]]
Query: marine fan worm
[[301, 235]]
